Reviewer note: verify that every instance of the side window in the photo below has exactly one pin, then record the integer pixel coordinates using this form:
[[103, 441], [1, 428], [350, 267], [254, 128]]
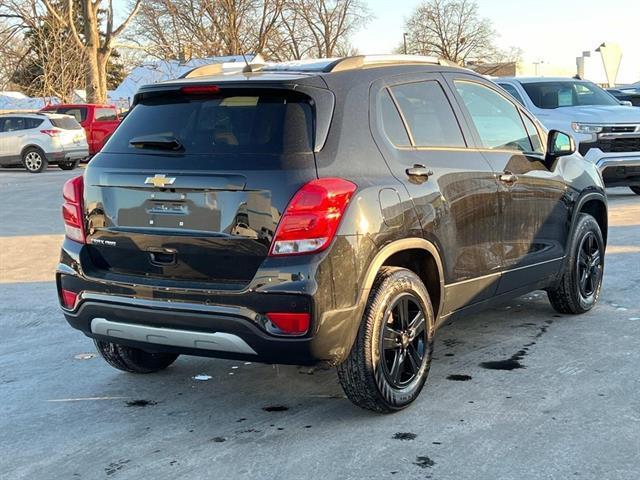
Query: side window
[[2, 121], [391, 121], [33, 122], [13, 124], [511, 90], [105, 114], [428, 114], [534, 136], [496, 119]]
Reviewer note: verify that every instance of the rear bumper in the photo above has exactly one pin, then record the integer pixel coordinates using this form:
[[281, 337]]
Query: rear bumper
[[68, 155], [195, 320], [208, 331], [617, 169]]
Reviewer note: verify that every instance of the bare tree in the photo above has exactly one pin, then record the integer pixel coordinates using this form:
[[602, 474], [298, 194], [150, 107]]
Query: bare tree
[[276, 29], [329, 24], [37, 52], [12, 51], [96, 38], [183, 29], [450, 29]]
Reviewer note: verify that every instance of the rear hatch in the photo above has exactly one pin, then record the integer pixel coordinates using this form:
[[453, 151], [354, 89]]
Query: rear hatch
[[192, 185], [71, 134]]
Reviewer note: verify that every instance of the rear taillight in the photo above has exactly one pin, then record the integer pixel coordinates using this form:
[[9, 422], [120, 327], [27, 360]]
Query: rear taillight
[[200, 90], [311, 220], [290, 323], [68, 298], [72, 209], [51, 133]]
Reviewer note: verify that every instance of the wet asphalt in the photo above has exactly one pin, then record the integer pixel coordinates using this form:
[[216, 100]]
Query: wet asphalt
[[516, 392]]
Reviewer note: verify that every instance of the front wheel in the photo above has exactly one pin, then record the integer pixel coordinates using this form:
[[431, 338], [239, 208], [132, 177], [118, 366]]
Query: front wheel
[[579, 288], [133, 360], [390, 359], [635, 190]]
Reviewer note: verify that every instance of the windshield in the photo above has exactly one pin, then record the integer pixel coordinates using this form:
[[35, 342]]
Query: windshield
[[264, 122], [550, 95]]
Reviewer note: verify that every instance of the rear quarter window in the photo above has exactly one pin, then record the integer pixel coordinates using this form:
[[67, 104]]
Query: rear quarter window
[[237, 123], [33, 122]]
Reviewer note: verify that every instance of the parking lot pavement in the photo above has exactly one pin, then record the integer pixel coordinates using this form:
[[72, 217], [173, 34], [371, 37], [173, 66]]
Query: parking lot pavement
[[572, 411]]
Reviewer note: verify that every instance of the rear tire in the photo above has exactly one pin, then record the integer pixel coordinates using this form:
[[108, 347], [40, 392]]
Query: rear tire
[[635, 190], [69, 165], [390, 359], [133, 360], [580, 285], [34, 160]]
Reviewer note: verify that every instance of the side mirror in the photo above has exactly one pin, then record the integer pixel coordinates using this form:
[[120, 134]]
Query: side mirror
[[560, 144], [626, 103]]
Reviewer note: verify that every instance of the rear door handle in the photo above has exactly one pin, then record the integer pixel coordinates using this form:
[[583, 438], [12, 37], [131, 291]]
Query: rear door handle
[[419, 171], [508, 178]]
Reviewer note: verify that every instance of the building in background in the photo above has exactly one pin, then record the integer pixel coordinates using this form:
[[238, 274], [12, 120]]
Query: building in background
[[522, 69], [606, 66]]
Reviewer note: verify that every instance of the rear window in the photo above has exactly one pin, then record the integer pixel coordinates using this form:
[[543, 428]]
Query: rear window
[[66, 123], [106, 114], [79, 113], [230, 123]]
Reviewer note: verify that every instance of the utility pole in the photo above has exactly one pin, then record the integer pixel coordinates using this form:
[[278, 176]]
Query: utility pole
[[404, 38]]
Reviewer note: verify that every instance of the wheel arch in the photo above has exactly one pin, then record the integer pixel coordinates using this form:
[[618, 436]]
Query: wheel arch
[[594, 204], [415, 254], [33, 145]]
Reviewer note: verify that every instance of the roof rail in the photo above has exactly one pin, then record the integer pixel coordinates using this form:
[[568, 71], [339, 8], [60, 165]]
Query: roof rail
[[256, 64], [363, 61], [324, 65]]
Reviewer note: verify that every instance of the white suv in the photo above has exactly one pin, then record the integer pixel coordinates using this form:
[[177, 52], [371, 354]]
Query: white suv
[[37, 139]]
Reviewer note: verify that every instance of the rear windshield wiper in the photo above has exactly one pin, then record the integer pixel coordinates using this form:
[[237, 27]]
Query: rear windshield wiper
[[158, 142]]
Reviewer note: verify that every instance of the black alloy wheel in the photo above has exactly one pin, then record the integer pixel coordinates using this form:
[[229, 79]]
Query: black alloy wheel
[[403, 342], [589, 265]]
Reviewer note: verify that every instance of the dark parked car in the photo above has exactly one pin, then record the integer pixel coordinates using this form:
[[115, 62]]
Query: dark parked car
[[332, 211], [632, 96]]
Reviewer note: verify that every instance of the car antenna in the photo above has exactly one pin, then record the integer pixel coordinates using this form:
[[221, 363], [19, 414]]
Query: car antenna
[[245, 59]]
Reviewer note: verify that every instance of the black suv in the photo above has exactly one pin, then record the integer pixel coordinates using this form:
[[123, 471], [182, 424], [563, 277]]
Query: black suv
[[332, 211]]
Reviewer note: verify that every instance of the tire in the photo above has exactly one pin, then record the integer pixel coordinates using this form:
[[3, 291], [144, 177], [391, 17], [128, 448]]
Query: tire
[[69, 165], [635, 190], [133, 360], [367, 375], [579, 288], [34, 160]]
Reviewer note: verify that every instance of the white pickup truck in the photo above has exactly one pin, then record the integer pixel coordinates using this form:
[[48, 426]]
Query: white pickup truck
[[606, 132]]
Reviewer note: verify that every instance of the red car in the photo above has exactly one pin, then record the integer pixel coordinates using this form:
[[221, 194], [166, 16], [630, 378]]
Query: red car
[[98, 121]]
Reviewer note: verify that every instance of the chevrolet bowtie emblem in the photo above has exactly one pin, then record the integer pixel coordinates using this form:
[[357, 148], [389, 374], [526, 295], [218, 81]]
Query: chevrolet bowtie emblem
[[160, 180]]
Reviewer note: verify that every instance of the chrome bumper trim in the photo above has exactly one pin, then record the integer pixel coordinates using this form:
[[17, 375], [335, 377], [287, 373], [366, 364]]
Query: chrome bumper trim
[[218, 341]]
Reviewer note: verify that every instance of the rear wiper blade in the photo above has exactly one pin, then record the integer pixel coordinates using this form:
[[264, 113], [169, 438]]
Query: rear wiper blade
[[160, 142]]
